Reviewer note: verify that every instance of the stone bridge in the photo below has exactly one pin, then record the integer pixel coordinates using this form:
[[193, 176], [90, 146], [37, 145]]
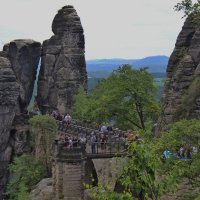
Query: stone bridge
[[74, 167], [77, 166]]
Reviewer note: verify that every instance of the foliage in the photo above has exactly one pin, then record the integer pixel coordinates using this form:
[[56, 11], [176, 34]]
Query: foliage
[[127, 97], [104, 193], [147, 175], [190, 9], [142, 174], [27, 172], [44, 131], [185, 133], [81, 104]]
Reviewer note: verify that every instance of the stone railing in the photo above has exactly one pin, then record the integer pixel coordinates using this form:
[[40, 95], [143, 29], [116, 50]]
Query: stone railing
[[74, 153]]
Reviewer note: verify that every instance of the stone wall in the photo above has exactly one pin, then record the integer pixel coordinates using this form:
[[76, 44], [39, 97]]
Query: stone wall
[[69, 174]]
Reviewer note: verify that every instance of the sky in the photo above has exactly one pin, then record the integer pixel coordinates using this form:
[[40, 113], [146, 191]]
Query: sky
[[112, 28]]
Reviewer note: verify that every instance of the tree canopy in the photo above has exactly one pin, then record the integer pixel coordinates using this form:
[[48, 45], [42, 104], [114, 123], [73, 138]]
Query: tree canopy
[[126, 97], [146, 175]]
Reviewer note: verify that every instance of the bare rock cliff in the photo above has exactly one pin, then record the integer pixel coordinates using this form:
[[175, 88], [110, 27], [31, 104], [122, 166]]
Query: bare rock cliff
[[18, 66], [9, 93], [63, 67], [182, 87], [24, 56]]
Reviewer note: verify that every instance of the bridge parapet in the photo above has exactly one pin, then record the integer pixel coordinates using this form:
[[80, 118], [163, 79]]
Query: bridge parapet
[[69, 154]]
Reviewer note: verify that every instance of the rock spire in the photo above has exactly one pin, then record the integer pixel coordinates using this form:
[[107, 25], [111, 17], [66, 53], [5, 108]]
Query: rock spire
[[63, 67], [182, 87]]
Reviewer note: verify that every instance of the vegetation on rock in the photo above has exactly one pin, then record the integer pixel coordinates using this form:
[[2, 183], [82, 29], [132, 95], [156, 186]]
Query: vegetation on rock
[[29, 169], [43, 129], [190, 8], [27, 173]]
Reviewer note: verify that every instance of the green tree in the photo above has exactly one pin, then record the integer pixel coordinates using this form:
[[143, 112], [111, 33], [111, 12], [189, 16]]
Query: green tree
[[190, 9], [127, 96], [148, 176], [81, 104], [185, 133], [143, 175], [27, 173], [44, 130]]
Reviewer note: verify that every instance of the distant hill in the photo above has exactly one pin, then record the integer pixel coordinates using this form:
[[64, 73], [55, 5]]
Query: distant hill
[[156, 64]]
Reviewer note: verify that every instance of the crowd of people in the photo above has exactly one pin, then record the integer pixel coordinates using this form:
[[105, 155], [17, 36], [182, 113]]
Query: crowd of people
[[104, 136], [100, 139], [184, 153]]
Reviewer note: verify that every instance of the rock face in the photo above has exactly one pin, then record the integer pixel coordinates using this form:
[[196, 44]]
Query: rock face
[[63, 67], [9, 93], [43, 190], [24, 56], [18, 66], [182, 87]]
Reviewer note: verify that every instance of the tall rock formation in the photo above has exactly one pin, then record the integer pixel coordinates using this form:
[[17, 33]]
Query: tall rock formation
[[24, 56], [18, 66], [9, 93], [63, 67], [182, 87]]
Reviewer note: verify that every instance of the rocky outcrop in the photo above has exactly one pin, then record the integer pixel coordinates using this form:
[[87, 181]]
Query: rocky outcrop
[[18, 66], [9, 93], [63, 67], [43, 190], [182, 87], [24, 56]]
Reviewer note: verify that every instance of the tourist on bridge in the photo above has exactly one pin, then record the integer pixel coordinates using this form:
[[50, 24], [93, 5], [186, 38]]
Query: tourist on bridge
[[82, 141], [68, 119], [130, 136], [93, 142], [104, 129], [70, 143], [117, 132], [54, 114], [109, 128], [103, 141], [59, 117]]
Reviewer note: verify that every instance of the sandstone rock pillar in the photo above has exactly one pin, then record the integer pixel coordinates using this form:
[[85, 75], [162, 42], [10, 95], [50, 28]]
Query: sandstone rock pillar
[[63, 67], [181, 98], [24, 55]]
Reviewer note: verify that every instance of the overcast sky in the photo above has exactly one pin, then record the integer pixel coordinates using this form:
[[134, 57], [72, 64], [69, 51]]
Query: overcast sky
[[113, 28]]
